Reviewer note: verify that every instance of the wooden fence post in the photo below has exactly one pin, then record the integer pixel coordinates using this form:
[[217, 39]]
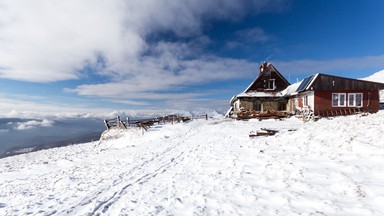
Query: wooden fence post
[[106, 124]]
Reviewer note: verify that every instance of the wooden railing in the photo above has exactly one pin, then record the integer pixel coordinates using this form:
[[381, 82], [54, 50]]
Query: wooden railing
[[339, 112], [114, 123], [146, 123], [200, 117]]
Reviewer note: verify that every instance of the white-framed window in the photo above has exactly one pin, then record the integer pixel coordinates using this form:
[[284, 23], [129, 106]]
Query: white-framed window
[[338, 99], [270, 84], [305, 101], [355, 99]]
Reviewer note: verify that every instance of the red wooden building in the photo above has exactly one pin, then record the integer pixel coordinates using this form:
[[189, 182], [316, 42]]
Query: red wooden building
[[327, 95], [270, 94]]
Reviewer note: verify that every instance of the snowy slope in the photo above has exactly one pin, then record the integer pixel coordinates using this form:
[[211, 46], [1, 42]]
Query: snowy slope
[[329, 167], [377, 77]]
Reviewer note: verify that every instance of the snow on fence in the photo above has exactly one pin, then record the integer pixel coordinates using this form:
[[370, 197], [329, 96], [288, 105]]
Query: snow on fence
[[114, 123], [146, 123]]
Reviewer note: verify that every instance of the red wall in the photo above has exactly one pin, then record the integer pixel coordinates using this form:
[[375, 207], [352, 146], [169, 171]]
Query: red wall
[[323, 100], [300, 100]]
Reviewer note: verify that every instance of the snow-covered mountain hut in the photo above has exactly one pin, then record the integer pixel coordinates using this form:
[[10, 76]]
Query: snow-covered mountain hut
[[263, 96], [271, 95]]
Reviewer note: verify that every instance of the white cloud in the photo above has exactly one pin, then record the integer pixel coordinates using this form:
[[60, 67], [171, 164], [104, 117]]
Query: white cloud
[[18, 106], [46, 41], [50, 40], [247, 38], [171, 76], [33, 123], [165, 75], [256, 34]]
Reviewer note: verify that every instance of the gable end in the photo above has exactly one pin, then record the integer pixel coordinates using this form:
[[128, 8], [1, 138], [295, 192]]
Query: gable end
[[269, 80]]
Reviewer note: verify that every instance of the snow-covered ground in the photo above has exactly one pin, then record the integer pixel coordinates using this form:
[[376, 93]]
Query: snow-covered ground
[[328, 167]]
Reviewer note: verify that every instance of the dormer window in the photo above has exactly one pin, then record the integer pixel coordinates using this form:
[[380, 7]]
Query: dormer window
[[270, 84]]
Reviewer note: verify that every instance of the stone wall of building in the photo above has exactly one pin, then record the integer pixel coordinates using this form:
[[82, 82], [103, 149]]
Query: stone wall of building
[[250, 104], [246, 105], [270, 105]]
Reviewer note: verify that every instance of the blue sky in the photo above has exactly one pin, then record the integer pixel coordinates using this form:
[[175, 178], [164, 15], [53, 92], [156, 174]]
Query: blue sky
[[81, 56]]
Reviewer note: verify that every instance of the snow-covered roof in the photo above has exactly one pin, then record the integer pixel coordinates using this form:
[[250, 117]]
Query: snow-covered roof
[[256, 94], [260, 94], [291, 89], [377, 77]]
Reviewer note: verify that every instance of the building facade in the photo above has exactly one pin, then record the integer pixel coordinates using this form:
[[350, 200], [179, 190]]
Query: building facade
[[271, 95]]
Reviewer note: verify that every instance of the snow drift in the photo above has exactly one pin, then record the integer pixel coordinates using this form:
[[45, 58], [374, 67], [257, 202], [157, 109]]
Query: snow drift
[[329, 167], [377, 77]]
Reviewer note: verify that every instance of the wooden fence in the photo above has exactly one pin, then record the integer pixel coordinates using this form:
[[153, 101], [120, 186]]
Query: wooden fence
[[146, 123], [205, 116], [114, 123], [340, 112]]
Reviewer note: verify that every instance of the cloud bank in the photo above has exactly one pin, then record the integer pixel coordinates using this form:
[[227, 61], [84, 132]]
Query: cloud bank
[[140, 51], [32, 124], [51, 40]]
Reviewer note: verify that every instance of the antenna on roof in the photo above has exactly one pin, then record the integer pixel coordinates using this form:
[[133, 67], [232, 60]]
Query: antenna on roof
[[270, 56]]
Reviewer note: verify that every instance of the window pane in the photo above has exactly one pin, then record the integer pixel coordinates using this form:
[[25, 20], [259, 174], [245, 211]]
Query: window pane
[[257, 106], [306, 101], [359, 99], [351, 99], [270, 84], [335, 99], [342, 99]]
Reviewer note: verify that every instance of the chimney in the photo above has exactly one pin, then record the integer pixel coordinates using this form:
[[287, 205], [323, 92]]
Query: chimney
[[263, 66]]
